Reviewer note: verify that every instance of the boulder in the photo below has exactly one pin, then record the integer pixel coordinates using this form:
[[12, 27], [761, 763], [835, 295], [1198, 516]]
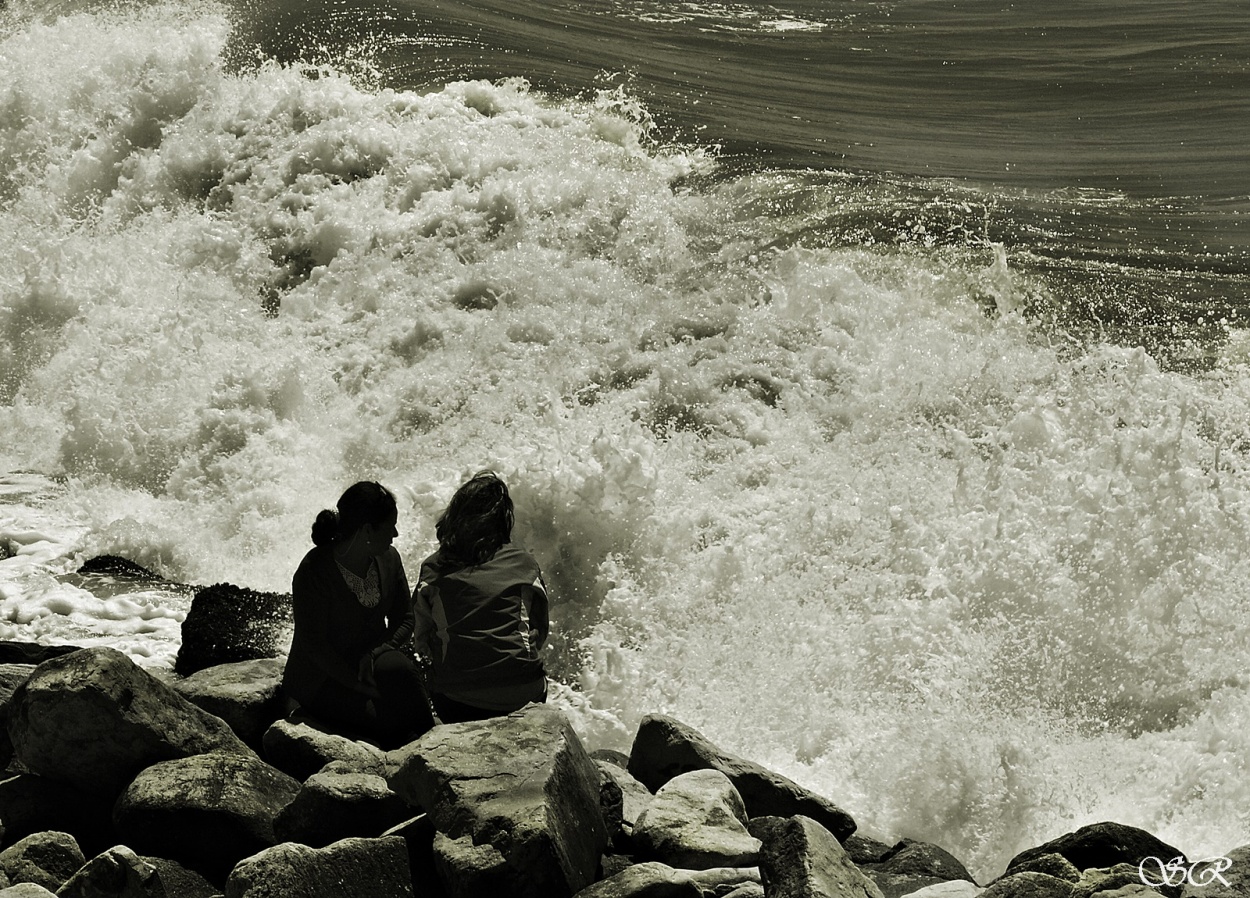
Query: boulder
[[955, 888], [206, 811], [1052, 865], [664, 748], [12, 676], [648, 880], [912, 865], [246, 694], [299, 748], [1028, 885], [26, 890], [1101, 845], [120, 873], [696, 821], [1104, 880], [865, 850], [750, 890], [802, 859], [515, 801], [23, 654], [338, 803], [229, 623], [30, 804], [46, 859], [352, 868], [634, 795], [1234, 873], [94, 719]]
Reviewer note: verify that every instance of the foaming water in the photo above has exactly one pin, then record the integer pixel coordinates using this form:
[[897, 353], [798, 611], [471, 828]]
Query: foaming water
[[851, 497]]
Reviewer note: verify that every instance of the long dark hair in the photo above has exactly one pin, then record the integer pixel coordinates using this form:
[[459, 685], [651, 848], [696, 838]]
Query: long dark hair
[[478, 520], [362, 503]]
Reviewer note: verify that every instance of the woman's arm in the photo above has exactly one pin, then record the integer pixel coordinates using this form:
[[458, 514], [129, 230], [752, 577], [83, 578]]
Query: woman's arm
[[536, 605], [400, 618]]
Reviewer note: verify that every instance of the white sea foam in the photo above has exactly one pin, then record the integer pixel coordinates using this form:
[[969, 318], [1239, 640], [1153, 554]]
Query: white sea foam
[[845, 510]]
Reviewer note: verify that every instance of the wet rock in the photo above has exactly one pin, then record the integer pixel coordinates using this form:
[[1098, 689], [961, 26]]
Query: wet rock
[[634, 795], [1101, 845], [93, 719], [206, 811], [45, 859], [515, 801], [353, 868], [228, 623], [654, 879], [120, 873], [802, 859], [26, 890], [1052, 865], [696, 821], [298, 748], [1233, 876], [955, 888], [246, 694], [338, 803], [1028, 885], [664, 748], [912, 865]]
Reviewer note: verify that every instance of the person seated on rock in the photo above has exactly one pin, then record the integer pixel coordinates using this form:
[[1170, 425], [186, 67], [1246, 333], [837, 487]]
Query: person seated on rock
[[350, 664], [481, 609]]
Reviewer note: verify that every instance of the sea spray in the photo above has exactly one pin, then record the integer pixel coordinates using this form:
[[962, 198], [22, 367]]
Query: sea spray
[[860, 510]]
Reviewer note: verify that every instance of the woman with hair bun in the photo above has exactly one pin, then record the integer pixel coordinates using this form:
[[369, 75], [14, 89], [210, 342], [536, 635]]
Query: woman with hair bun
[[350, 664], [481, 609]]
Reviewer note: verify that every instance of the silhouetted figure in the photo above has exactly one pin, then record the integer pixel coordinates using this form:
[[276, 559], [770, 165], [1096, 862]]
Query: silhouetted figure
[[481, 609], [350, 664]]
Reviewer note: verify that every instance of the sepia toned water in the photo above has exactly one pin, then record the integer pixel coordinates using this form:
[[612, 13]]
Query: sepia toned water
[[870, 377]]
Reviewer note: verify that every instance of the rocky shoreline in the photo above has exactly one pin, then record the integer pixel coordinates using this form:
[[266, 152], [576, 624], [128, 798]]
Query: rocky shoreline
[[124, 783]]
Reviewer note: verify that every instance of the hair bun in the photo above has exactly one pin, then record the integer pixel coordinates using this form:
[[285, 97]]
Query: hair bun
[[325, 529]]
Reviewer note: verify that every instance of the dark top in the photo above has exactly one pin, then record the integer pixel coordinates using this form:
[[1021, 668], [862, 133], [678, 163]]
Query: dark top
[[482, 625], [333, 630]]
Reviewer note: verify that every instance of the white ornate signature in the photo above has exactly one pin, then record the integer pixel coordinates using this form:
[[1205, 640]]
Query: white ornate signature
[[1177, 872]]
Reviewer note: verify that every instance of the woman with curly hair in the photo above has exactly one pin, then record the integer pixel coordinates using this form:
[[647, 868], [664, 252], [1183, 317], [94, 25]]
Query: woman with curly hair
[[481, 608]]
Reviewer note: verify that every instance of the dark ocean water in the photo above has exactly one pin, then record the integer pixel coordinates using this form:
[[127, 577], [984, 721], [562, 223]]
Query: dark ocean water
[[1105, 144], [872, 379]]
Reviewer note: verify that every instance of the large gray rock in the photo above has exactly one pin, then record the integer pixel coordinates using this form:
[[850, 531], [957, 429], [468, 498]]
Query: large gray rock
[[665, 748], [1101, 845], [634, 795], [206, 811], [911, 865], [26, 890], [94, 719], [246, 694], [515, 801], [697, 821], [46, 859], [30, 803], [657, 880], [338, 803], [1028, 885], [955, 888], [352, 868], [120, 873], [1234, 877], [298, 748], [802, 859]]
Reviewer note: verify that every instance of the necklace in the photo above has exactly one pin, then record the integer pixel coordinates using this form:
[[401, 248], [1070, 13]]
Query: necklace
[[366, 588]]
